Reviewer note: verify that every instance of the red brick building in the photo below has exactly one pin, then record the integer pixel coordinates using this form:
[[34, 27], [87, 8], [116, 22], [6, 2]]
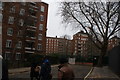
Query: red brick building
[[51, 45], [0, 28], [80, 43], [114, 41], [59, 45], [24, 29]]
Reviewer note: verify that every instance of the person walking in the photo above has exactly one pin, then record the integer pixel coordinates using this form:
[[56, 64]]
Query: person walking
[[34, 73], [65, 72], [45, 72]]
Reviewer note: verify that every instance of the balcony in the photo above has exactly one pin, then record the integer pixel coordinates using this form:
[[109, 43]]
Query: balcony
[[30, 34], [31, 23], [32, 13], [29, 46], [29, 52], [33, 5]]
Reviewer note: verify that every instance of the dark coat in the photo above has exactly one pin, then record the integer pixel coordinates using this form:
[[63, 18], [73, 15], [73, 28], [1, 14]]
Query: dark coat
[[4, 70], [45, 71], [33, 73]]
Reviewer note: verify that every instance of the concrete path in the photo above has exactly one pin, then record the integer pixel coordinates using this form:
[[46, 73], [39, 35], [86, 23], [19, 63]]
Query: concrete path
[[103, 73]]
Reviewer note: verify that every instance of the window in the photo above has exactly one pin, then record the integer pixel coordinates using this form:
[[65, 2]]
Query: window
[[12, 9], [11, 20], [8, 43], [40, 37], [19, 33], [41, 18], [41, 27], [22, 12], [39, 46], [0, 5], [42, 8], [10, 31], [18, 56], [7, 55], [1, 16], [19, 44], [21, 22]]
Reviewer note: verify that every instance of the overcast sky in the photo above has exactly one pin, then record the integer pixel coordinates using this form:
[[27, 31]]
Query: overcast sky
[[54, 25]]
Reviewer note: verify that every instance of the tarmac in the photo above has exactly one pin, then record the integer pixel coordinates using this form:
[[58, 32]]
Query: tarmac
[[21, 70], [26, 69], [95, 73]]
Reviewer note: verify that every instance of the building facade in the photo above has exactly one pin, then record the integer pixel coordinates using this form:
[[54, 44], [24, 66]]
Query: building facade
[[24, 29], [52, 45], [80, 43], [114, 41], [59, 45], [1, 28]]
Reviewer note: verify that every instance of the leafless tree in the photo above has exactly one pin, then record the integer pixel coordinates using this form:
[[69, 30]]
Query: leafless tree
[[100, 20]]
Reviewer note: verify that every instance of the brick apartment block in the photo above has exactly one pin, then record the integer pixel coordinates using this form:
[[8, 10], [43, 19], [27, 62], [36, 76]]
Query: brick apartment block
[[23, 29], [59, 45], [80, 43]]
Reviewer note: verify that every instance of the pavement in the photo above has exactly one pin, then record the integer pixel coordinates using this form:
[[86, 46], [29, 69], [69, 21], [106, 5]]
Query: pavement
[[26, 69], [103, 73], [21, 70], [95, 73]]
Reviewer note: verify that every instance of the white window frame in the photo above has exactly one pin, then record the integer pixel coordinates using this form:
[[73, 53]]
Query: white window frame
[[41, 27], [10, 31], [21, 22], [42, 8], [7, 55], [41, 17], [10, 20], [18, 56], [8, 43], [40, 37], [19, 33], [22, 11], [19, 44], [12, 9], [39, 47]]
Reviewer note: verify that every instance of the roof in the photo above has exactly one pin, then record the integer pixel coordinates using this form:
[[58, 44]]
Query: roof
[[81, 32], [115, 37]]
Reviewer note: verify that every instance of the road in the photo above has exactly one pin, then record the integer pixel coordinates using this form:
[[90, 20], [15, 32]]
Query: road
[[79, 70]]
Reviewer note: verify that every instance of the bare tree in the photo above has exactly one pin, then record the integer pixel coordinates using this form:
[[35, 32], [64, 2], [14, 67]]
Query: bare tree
[[100, 20]]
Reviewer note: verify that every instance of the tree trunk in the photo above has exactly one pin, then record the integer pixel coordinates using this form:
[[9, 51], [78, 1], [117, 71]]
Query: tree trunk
[[102, 54], [100, 61]]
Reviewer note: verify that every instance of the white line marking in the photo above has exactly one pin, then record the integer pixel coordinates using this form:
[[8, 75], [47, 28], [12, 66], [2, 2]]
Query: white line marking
[[88, 73]]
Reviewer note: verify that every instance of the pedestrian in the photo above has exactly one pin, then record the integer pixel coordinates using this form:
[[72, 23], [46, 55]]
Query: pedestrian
[[65, 72], [4, 70], [34, 73], [45, 72]]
